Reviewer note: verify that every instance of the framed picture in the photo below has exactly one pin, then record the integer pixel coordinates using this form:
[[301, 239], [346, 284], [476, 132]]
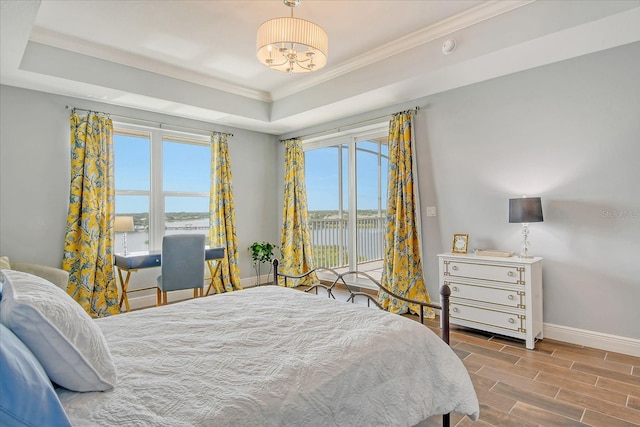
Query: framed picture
[[460, 243]]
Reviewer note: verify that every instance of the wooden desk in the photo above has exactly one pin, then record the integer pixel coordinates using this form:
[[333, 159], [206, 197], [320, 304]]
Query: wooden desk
[[135, 261]]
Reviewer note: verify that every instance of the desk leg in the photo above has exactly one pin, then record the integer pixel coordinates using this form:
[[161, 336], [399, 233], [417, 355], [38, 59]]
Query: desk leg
[[125, 285], [214, 272]]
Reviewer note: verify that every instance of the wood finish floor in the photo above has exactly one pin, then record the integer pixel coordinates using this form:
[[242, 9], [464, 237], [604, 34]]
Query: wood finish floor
[[557, 384]]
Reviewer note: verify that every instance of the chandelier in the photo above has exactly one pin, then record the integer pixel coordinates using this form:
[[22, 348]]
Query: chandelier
[[292, 45]]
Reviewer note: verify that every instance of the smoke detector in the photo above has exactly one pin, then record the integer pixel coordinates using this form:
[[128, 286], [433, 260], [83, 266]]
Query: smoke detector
[[448, 46]]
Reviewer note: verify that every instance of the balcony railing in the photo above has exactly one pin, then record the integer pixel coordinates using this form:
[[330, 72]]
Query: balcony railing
[[329, 238]]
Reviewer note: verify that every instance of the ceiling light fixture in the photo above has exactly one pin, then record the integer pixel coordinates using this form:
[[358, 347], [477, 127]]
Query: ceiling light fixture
[[292, 45]]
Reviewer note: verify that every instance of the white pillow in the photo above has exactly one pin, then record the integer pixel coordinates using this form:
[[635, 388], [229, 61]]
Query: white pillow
[[58, 331]]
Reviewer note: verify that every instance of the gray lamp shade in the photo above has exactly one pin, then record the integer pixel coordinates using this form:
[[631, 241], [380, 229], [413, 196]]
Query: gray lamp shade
[[525, 210]]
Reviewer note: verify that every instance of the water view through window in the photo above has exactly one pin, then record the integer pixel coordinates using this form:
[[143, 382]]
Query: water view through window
[[162, 181], [347, 195]]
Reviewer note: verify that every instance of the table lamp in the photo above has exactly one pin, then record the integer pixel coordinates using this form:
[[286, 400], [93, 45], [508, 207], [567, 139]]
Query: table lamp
[[525, 210], [123, 224]]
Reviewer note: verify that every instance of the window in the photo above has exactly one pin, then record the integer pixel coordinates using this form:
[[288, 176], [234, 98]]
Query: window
[[162, 179], [346, 180]]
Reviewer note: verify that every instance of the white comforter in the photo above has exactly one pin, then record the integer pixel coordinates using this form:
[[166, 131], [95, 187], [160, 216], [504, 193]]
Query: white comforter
[[273, 356]]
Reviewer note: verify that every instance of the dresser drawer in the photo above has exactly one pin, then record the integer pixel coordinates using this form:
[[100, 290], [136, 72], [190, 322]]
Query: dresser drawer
[[488, 294], [500, 319], [492, 272]]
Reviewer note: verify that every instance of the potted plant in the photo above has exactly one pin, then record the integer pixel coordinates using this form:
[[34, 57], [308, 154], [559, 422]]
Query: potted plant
[[261, 253]]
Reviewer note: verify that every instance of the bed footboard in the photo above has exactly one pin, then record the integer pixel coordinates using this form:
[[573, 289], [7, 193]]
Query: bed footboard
[[445, 293]]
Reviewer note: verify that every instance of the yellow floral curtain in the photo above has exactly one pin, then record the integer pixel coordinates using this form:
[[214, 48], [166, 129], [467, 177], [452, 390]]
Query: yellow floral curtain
[[402, 267], [222, 216], [295, 242], [88, 243]]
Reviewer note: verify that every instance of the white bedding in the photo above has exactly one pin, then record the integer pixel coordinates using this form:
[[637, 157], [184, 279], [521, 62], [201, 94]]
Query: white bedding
[[273, 356]]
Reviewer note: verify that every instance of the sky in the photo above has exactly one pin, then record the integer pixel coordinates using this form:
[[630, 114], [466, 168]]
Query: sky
[[322, 177], [186, 167]]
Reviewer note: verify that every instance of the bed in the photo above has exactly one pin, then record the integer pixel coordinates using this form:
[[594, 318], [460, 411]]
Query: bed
[[269, 355]]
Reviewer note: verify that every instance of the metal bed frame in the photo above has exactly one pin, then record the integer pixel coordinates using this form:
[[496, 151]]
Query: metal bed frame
[[445, 293]]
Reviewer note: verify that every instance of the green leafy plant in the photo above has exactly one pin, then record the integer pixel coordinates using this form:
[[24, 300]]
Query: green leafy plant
[[261, 253]]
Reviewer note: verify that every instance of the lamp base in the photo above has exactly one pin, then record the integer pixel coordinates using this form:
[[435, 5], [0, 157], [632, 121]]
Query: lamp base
[[525, 242], [124, 244]]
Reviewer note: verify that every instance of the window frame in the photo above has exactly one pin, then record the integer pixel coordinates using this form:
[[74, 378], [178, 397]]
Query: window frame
[[350, 138], [156, 194]]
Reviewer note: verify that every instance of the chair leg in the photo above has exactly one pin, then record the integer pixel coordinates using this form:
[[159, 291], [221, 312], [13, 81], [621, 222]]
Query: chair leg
[[158, 297], [164, 298]]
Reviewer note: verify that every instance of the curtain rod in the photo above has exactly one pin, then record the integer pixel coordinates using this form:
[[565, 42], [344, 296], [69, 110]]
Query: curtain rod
[[68, 107], [338, 129]]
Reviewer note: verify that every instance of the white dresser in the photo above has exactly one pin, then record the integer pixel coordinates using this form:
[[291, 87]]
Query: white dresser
[[495, 294]]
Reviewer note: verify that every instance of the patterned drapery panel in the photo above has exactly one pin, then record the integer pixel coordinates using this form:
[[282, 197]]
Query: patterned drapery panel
[[402, 267], [297, 256], [222, 216], [88, 243]]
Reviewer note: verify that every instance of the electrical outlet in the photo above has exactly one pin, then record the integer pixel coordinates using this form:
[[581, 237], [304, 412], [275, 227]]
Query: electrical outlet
[[431, 211]]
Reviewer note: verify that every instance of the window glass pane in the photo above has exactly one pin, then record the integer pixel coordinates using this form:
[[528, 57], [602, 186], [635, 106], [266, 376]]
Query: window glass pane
[[321, 176], [367, 176], [186, 215], [138, 208], [132, 156], [185, 167], [345, 180], [369, 220], [384, 179]]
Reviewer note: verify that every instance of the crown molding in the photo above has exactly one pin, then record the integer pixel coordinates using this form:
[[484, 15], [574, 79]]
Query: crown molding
[[440, 29], [73, 44], [454, 23]]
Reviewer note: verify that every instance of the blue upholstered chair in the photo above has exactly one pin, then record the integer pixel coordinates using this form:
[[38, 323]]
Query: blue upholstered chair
[[182, 265]]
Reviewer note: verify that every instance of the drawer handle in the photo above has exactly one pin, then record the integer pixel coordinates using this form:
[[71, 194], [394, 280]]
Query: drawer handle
[[455, 310], [455, 289], [511, 297], [454, 268], [512, 320], [511, 274]]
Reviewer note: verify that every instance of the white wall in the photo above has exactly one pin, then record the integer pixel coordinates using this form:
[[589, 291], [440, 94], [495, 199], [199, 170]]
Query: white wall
[[568, 132], [35, 168]]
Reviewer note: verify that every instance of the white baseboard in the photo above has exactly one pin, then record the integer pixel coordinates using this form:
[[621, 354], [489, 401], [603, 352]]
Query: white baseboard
[[592, 339]]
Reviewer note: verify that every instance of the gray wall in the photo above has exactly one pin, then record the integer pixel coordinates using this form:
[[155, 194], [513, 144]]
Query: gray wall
[[35, 168], [568, 132]]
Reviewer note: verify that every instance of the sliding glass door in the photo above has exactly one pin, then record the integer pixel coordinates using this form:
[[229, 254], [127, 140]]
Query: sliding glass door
[[372, 161], [346, 180]]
